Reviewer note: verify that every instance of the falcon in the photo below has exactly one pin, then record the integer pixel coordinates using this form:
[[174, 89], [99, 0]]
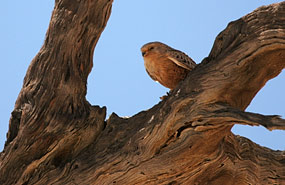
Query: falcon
[[166, 65]]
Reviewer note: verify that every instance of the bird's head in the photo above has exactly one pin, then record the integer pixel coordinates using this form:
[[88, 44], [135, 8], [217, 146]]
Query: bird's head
[[153, 48]]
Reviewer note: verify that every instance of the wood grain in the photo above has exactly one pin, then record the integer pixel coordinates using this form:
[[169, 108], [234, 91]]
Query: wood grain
[[56, 137]]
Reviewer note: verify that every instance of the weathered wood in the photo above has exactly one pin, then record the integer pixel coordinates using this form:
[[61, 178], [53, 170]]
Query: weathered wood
[[57, 137], [52, 121]]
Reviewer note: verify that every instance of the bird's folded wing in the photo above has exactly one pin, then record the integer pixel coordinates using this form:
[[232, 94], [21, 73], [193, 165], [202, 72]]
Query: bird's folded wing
[[181, 59]]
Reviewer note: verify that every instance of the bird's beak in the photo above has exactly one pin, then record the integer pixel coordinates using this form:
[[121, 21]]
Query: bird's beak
[[143, 53]]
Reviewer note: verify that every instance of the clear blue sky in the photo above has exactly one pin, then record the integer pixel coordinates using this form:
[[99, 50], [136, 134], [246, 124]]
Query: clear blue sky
[[118, 79]]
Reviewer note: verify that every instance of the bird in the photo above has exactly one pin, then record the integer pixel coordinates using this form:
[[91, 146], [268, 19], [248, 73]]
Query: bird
[[165, 64]]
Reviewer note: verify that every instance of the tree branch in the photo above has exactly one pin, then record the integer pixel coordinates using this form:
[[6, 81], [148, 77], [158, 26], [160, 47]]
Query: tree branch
[[220, 114], [52, 121], [56, 137]]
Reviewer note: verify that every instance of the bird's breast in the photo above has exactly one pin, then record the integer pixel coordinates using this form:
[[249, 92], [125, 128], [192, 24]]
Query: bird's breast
[[164, 71]]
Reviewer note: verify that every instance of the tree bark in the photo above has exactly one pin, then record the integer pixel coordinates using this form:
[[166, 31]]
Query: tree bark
[[56, 137]]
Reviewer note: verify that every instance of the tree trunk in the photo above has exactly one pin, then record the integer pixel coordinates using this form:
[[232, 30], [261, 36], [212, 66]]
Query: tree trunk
[[56, 137]]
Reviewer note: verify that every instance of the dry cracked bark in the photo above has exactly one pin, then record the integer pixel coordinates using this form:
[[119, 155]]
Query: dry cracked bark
[[56, 137]]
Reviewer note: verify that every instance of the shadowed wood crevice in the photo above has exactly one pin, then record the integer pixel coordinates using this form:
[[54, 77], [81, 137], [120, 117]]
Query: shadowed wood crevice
[[56, 137]]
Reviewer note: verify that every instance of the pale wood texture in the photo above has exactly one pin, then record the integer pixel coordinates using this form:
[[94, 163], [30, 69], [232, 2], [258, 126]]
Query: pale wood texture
[[56, 137]]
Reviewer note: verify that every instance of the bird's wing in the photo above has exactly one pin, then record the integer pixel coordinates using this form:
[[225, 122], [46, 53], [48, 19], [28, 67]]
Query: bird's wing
[[181, 59]]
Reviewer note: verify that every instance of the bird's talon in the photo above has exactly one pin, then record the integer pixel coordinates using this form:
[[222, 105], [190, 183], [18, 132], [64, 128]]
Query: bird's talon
[[163, 97]]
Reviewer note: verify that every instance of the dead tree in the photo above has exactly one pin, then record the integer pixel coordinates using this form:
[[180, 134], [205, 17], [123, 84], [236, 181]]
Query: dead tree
[[56, 137]]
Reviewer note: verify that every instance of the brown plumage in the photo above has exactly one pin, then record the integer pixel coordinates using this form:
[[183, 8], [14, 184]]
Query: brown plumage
[[166, 65]]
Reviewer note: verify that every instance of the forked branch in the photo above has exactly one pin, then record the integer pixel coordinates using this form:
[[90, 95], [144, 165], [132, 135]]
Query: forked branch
[[56, 137]]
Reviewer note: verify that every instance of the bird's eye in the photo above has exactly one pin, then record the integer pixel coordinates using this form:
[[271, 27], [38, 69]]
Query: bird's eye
[[151, 48]]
